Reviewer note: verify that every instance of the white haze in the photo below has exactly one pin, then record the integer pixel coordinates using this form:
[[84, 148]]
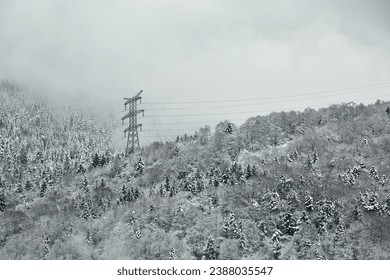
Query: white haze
[[99, 51]]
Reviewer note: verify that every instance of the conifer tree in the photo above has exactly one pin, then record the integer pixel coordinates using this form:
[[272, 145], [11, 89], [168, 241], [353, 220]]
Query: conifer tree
[[210, 252], [229, 129], [254, 170], [315, 156], [357, 213], [167, 184], [277, 250], [309, 162], [290, 223], [23, 155], [172, 254], [321, 222], [28, 186], [88, 237], [214, 200], [2, 201], [276, 236], [137, 233], [161, 190], [262, 225], [309, 203], [274, 200], [340, 234], [67, 164], [284, 186], [95, 160], [172, 191], [81, 169], [102, 161], [363, 199], [85, 209], [374, 174], [140, 166], [224, 178], [319, 256], [242, 241], [94, 213], [232, 228], [46, 241], [386, 206], [2, 149], [43, 188], [70, 230], [85, 184], [176, 152], [108, 157], [293, 199], [305, 218], [199, 186], [133, 194], [248, 172], [124, 196], [19, 188], [383, 180], [373, 204]]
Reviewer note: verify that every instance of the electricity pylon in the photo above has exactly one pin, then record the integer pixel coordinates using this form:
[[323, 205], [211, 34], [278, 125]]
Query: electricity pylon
[[132, 129]]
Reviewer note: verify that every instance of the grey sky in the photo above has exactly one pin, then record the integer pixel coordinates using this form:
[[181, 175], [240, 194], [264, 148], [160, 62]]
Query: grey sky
[[175, 51]]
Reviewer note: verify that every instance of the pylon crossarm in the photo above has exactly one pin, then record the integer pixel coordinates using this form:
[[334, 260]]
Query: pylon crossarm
[[132, 113], [133, 99], [132, 128]]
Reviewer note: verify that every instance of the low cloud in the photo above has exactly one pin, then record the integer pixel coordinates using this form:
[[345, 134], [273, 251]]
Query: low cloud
[[105, 50]]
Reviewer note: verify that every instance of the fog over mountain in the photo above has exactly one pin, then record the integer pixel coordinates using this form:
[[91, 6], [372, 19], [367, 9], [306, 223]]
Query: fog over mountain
[[101, 51]]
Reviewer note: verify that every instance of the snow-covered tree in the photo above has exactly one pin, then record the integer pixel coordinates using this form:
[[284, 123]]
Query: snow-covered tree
[[2, 201], [229, 129], [210, 251]]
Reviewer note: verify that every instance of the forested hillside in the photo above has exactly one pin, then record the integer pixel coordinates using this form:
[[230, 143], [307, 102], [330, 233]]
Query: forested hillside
[[289, 185]]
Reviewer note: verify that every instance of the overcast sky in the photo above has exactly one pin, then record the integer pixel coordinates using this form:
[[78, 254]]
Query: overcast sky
[[199, 51]]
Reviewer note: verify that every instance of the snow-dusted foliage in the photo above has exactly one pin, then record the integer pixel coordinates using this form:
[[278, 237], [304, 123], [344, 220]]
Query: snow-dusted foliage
[[290, 185]]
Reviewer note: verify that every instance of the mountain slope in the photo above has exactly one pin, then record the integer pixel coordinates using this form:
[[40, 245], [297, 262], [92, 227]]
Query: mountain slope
[[289, 185]]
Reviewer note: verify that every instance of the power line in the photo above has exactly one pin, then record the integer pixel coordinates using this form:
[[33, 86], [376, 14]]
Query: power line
[[275, 97], [243, 119], [156, 136], [195, 122], [267, 82], [242, 112], [183, 133], [170, 129], [375, 86], [239, 119], [117, 113], [262, 103]]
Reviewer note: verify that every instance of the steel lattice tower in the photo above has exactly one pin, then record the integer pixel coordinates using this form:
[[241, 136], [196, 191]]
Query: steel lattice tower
[[132, 129]]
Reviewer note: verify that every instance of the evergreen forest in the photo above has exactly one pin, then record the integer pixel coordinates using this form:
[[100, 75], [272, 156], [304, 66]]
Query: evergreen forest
[[311, 184]]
